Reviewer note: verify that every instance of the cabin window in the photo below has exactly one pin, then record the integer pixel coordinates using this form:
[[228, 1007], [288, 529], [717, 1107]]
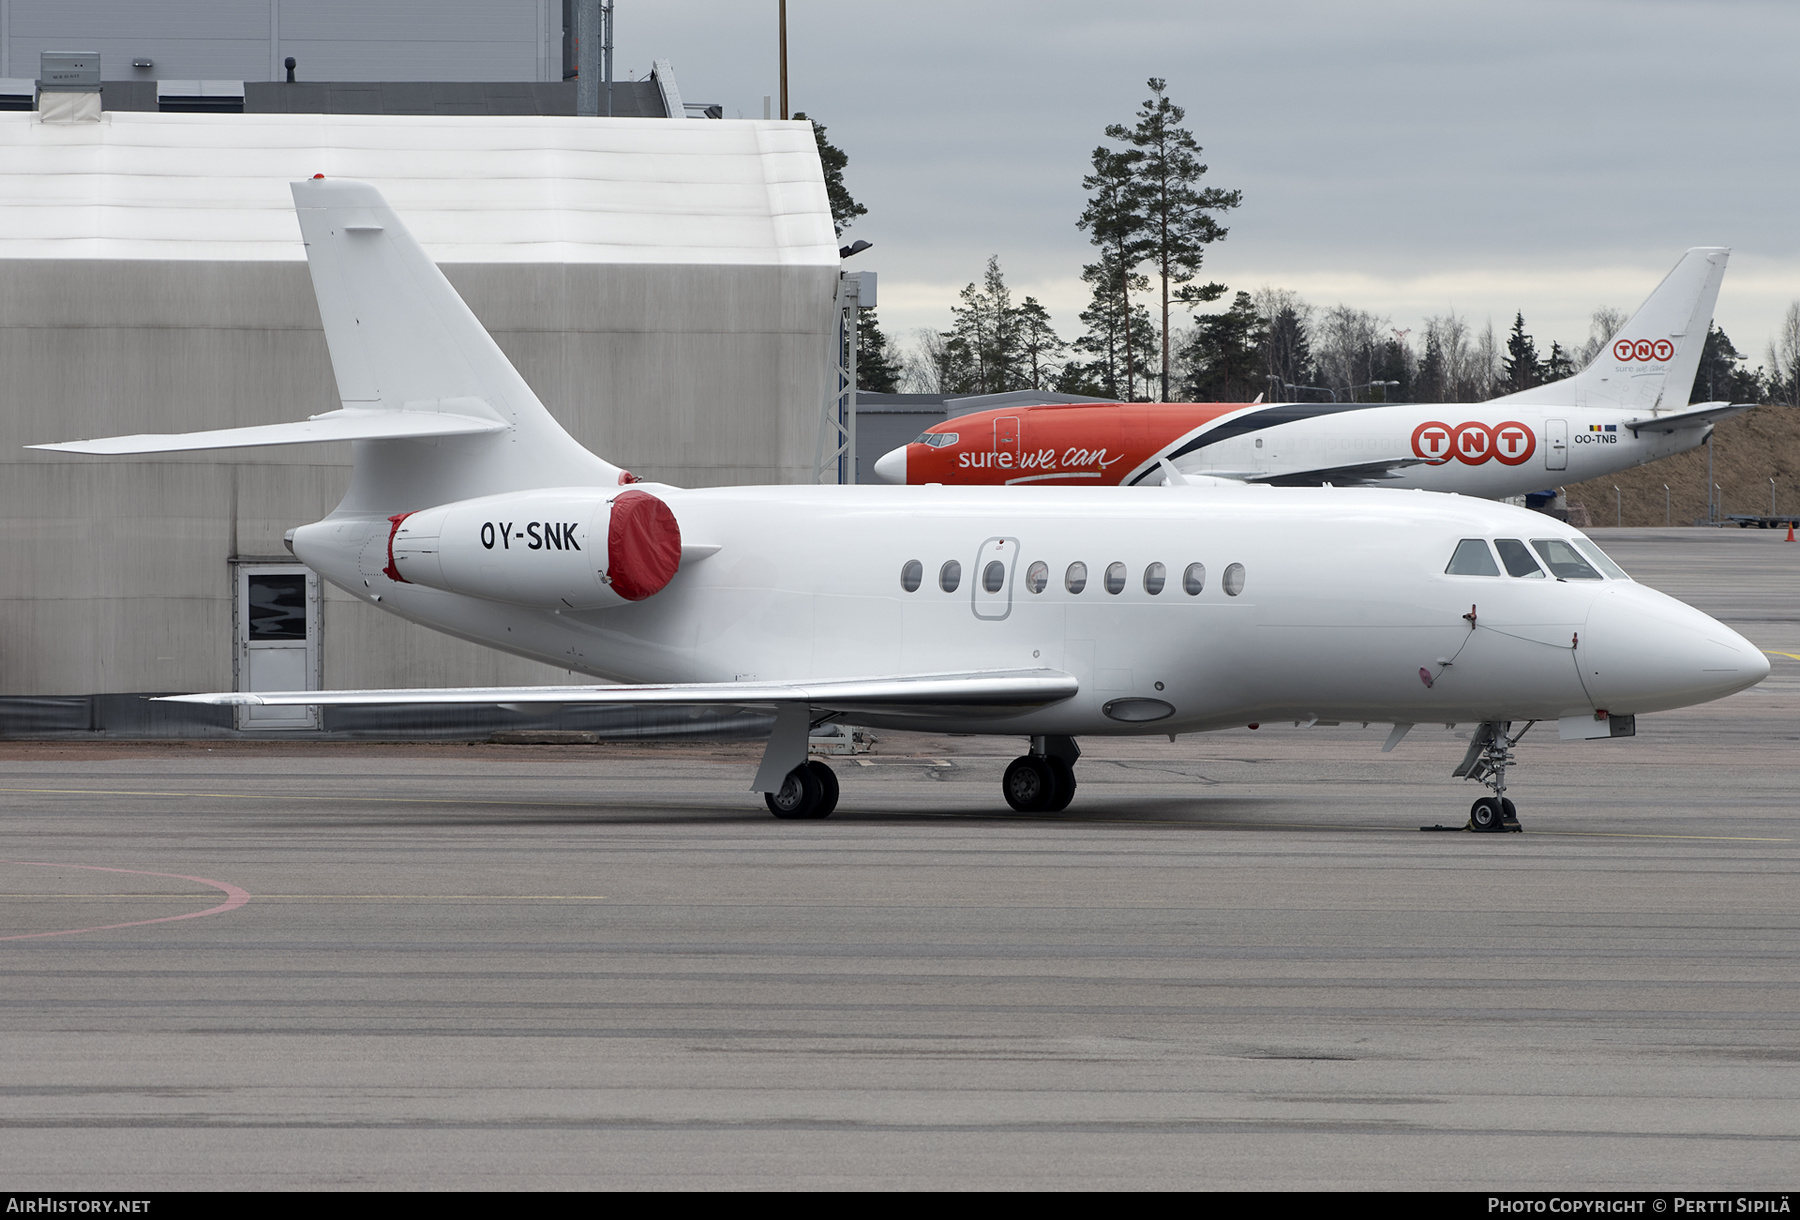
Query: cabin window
[[1075, 579], [1037, 576], [950, 576], [1115, 578], [1517, 559], [1155, 577], [1194, 579], [1472, 558], [993, 577], [1564, 561], [937, 440], [1601, 559], [1233, 583], [912, 576]]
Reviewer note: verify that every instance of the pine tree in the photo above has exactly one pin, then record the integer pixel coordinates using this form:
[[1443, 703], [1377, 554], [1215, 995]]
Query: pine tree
[[1558, 365], [876, 371], [1178, 220], [1432, 371], [844, 209], [1519, 370], [1287, 348], [1223, 356], [1110, 372], [1040, 348], [987, 327], [1719, 379], [1115, 223]]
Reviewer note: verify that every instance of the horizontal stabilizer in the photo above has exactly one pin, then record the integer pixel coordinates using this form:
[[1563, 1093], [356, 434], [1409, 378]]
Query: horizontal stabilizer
[[991, 692], [1701, 416], [349, 424]]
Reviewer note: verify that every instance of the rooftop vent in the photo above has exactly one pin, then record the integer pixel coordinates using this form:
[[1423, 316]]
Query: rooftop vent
[[200, 96]]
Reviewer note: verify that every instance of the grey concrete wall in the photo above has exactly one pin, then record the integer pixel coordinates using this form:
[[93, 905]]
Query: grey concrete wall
[[116, 572]]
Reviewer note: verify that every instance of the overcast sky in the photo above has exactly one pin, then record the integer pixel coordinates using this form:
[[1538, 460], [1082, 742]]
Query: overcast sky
[[1403, 157]]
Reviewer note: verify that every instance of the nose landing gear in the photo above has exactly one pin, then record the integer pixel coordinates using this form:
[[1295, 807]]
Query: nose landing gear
[[1489, 755], [1042, 781]]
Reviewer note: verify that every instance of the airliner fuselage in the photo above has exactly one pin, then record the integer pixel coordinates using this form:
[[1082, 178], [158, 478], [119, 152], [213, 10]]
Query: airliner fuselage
[[1479, 449]]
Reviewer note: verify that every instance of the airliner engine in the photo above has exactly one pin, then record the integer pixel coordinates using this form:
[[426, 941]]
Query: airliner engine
[[577, 548]]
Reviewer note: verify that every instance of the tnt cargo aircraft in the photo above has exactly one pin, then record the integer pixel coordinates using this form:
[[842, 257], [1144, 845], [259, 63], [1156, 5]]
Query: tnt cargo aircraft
[[1626, 408], [961, 610]]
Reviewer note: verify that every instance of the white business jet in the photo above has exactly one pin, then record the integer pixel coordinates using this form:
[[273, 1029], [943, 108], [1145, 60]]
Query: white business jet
[[963, 610]]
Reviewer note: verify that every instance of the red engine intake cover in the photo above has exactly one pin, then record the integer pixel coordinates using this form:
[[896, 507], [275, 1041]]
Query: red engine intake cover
[[643, 545]]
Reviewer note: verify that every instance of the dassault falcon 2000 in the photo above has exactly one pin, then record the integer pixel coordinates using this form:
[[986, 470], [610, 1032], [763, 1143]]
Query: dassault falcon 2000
[[1627, 407], [963, 610]]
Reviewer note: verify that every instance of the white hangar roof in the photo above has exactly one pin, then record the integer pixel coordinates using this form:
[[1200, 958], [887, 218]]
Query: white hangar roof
[[473, 189]]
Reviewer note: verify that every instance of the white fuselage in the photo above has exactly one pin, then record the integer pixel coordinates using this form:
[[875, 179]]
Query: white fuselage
[[1510, 450], [1345, 608]]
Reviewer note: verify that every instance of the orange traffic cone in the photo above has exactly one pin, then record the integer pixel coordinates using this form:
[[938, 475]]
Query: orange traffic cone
[[1790, 536]]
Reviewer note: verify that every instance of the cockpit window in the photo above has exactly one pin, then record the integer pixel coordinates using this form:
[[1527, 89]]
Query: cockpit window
[[1472, 558], [1517, 559], [937, 440], [1565, 561], [1601, 559]]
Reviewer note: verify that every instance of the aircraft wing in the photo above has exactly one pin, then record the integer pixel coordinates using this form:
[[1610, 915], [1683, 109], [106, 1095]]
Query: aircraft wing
[[349, 424], [996, 692], [1360, 474], [1697, 417]]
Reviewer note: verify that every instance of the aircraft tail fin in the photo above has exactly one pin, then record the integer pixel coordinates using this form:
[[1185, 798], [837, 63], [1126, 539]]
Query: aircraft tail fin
[[1649, 365], [435, 409], [402, 339]]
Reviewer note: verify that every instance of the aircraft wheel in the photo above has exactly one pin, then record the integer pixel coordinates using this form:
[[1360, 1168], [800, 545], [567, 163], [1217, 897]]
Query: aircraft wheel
[[1029, 785], [828, 787], [1509, 814], [801, 795], [1485, 815], [1065, 784]]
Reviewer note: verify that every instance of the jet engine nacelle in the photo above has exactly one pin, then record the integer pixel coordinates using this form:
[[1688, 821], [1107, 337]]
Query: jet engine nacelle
[[574, 548]]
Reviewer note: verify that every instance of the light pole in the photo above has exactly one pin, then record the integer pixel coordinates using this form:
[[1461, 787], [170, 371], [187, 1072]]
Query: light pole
[[1710, 485], [1369, 385], [1322, 389], [1668, 509], [1618, 507]]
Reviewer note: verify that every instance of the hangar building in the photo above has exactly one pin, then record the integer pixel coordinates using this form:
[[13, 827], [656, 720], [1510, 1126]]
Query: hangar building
[[666, 287]]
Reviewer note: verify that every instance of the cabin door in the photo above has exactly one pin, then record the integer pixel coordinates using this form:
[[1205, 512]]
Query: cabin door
[[1556, 444], [992, 586]]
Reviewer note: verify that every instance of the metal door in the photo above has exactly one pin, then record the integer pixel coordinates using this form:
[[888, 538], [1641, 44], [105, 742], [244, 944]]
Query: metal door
[[991, 587], [1556, 444], [277, 622], [1006, 438]]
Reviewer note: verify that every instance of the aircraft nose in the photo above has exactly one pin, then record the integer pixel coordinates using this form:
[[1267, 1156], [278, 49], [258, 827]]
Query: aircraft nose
[[890, 467], [1643, 651]]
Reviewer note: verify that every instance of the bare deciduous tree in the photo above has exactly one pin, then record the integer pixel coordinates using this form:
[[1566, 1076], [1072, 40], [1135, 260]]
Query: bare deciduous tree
[[1784, 358], [1602, 326]]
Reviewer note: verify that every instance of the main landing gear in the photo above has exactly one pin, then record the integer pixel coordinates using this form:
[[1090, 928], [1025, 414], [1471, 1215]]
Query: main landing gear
[[1042, 781], [1490, 754], [809, 791]]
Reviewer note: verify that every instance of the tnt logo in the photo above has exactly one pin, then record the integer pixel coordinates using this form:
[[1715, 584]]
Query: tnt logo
[[1473, 443], [1643, 350], [1431, 441]]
